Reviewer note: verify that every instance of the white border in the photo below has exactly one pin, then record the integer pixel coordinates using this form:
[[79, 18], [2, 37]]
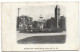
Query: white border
[[37, 1]]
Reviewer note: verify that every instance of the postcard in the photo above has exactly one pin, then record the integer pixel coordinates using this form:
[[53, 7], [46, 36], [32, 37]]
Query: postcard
[[40, 26]]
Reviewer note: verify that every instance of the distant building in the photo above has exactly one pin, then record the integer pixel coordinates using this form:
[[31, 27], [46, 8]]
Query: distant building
[[41, 22]]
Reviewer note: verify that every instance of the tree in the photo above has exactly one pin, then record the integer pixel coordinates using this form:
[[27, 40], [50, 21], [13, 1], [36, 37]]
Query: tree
[[62, 23]]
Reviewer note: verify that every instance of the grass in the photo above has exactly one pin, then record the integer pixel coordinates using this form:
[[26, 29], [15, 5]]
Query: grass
[[57, 39]]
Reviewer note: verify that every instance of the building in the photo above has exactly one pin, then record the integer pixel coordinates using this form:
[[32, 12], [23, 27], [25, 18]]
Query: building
[[41, 23]]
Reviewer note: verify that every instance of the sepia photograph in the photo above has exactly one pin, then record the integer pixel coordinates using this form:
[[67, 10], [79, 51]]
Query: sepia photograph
[[41, 25]]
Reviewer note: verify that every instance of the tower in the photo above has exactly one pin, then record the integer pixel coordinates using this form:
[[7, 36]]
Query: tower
[[57, 15]]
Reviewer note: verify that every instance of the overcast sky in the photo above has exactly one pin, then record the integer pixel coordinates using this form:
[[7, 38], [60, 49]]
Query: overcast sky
[[35, 12]]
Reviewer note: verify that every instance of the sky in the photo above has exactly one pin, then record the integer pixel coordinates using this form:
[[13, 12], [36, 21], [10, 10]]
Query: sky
[[46, 11]]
